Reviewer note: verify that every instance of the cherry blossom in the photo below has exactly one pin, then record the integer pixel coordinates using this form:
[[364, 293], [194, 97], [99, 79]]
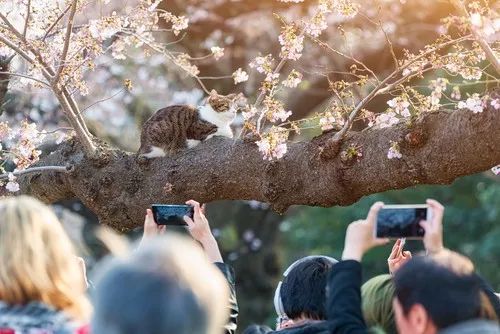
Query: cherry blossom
[[394, 152], [292, 44], [273, 144], [263, 64], [240, 76], [455, 94], [217, 52], [293, 79], [329, 119], [473, 103], [386, 120], [400, 106], [495, 104], [12, 185]]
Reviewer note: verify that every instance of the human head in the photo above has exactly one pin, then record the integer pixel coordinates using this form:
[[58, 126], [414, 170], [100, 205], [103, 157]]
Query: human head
[[301, 294], [166, 286], [434, 292], [376, 296], [38, 261]]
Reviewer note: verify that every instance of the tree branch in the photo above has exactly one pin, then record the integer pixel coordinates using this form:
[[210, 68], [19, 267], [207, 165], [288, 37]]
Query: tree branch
[[67, 38], [490, 55], [119, 189], [59, 169]]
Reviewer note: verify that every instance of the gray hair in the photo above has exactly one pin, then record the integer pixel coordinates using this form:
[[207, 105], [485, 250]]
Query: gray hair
[[167, 286]]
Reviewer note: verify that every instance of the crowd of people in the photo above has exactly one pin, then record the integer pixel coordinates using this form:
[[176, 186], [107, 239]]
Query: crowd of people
[[168, 283]]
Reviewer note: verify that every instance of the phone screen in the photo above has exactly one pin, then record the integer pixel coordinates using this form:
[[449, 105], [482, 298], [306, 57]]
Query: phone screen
[[400, 222], [165, 214]]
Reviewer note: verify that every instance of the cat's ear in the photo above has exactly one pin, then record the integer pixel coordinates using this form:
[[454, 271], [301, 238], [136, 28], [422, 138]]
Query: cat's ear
[[213, 93]]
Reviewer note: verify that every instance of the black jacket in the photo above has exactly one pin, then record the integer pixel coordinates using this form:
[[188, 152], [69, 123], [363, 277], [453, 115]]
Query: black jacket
[[232, 323]]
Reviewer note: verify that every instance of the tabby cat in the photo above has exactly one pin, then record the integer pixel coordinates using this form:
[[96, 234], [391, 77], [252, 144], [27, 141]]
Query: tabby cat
[[176, 127]]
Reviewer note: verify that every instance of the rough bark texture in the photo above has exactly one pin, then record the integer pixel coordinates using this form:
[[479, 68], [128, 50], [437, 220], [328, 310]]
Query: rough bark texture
[[436, 150]]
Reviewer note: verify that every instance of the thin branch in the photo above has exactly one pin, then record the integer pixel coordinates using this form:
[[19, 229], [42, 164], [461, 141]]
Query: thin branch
[[102, 100], [339, 135], [27, 77], [490, 55], [66, 40], [28, 12], [59, 18], [59, 169], [57, 130]]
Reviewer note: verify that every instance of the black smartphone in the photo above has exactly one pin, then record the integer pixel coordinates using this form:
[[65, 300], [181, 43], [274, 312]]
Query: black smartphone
[[401, 221], [169, 214]]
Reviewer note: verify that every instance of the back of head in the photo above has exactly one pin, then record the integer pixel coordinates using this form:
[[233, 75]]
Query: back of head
[[445, 285], [257, 329], [376, 295], [303, 289], [38, 259], [167, 286]]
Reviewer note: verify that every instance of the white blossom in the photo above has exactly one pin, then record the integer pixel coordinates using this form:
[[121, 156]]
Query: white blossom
[[12, 185], [293, 79], [240, 76], [473, 103], [217, 52], [386, 120], [394, 152], [455, 93], [495, 104], [400, 106]]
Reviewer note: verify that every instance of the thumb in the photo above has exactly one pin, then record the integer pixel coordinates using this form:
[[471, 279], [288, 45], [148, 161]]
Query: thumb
[[407, 254]]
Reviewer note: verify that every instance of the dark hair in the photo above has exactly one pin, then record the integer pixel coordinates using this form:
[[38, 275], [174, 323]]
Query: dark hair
[[447, 297], [130, 300], [303, 289]]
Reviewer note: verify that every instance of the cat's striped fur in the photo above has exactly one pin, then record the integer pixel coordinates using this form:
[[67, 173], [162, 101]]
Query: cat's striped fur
[[182, 126]]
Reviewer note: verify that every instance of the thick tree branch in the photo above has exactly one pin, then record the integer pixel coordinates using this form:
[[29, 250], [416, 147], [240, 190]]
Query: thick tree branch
[[437, 150]]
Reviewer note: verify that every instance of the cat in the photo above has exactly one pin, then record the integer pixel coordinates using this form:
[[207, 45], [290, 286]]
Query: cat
[[177, 127]]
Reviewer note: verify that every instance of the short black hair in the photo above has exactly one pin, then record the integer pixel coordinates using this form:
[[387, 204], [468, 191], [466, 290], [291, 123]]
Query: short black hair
[[447, 297], [303, 289]]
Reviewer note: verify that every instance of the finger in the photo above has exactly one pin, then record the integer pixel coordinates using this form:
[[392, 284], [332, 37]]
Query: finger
[[162, 229], [203, 207], [437, 209], [189, 221], [149, 220], [425, 225], [407, 255], [372, 214], [193, 203], [380, 242], [394, 251]]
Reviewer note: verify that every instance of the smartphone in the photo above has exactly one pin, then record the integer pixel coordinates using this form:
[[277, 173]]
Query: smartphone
[[167, 214], [402, 221]]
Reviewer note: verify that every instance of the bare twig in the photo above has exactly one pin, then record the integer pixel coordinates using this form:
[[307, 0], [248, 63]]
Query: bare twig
[[27, 77], [102, 100], [490, 55], [28, 12], [59, 169], [59, 18], [67, 38]]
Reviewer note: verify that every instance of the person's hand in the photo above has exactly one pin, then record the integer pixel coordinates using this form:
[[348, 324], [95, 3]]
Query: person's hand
[[151, 229], [433, 238], [360, 236], [398, 257], [198, 227]]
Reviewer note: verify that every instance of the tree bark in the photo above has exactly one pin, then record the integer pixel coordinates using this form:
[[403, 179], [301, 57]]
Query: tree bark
[[437, 149]]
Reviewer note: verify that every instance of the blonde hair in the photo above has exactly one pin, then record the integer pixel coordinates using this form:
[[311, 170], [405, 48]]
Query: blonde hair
[[37, 260]]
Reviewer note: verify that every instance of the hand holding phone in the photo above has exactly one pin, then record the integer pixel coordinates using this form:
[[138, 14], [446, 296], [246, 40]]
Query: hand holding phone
[[173, 215]]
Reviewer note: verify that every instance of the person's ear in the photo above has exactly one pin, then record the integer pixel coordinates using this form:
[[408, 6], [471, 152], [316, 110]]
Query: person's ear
[[419, 319]]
